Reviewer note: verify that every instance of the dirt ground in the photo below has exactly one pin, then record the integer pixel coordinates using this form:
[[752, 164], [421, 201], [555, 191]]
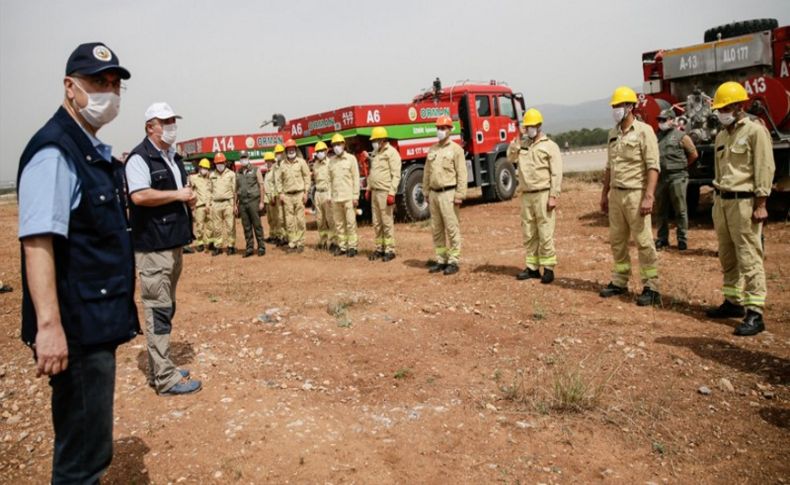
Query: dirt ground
[[318, 369]]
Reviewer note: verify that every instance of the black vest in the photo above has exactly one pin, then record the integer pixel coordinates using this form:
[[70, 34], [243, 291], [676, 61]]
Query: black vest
[[166, 226], [94, 266]]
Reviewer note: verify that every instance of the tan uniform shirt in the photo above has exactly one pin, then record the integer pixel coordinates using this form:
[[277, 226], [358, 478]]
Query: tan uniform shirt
[[539, 165], [343, 178], [744, 159], [321, 175], [385, 170], [445, 166], [201, 186], [631, 154], [268, 185], [223, 187], [293, 176]]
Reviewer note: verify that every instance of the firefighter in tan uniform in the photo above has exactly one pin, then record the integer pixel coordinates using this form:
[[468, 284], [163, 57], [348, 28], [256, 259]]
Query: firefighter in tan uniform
[[444, 184], [281, 237], [223, 193], [628, 195], [344, 192], [383, 181], [270, 198], [321, 200], [540, 179], [293, 182], [201, 186], [744, 171]]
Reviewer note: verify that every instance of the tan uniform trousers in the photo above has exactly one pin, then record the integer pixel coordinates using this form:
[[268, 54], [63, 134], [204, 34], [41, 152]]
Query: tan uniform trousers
[[345, 216], [159, 272], [537, 224], [445, 227], [625, 222], [324, 219], [273, 218], [294, 219], [383, 222], [224, 223], [203, 233], [740, 252]]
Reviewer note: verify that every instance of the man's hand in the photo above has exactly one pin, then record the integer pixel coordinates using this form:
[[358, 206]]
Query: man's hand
[[604, 202], [52, 353], [760, 213], [355, 202], [282, 198], [304, 199], [185, 194], [646, 207], [236, 210], [390, 199], [551, 204], [457, 201], [260, 206], [367, 195]]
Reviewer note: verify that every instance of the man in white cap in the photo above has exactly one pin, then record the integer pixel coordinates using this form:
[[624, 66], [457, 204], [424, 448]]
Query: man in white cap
[[160, 200]]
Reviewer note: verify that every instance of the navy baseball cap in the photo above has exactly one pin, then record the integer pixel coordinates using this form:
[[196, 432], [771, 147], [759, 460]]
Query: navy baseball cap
[[93, 58]]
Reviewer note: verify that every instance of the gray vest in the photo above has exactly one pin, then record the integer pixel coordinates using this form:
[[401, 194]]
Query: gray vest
[[672, 155], [247, 185]]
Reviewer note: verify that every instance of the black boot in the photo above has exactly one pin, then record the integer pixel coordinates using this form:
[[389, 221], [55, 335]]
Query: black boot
[[388, 257], [661, 244], [451, 268], [351, 253], [548, 276], [247, 253], [751, 325], [261, 250], [200, 248], [216, 251], [231, 251], [612, 290], [528, 274], [682, 245], [375, 255], [436, 267], [726, 310], [648, 297]]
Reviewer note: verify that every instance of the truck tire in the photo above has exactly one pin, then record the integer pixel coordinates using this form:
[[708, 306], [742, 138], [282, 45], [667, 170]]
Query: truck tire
[[504, 179], [740, 28], [412, 205]]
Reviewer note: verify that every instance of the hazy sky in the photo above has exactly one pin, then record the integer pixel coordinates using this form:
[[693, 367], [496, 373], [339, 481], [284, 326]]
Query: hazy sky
[[226, 66]]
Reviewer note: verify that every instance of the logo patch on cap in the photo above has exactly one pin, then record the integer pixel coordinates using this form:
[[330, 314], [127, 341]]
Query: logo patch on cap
[[102, 53]]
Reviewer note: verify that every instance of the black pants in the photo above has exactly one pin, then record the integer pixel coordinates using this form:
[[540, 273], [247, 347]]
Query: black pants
[[251, 221], [82, 415]]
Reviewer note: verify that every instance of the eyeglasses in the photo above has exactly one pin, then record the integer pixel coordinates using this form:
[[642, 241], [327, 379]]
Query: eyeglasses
[[103, 83]]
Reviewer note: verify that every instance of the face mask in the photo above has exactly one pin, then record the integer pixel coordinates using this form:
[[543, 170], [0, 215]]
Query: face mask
[[101, 109], [279, 157], [220, 168], [441, 134], [618, 114], [375, 145], [664, 125], [532, 132], [245, 162], [725, 119], [320, 155], [291, 155], [169, 133], [204, 171], [338, 149]]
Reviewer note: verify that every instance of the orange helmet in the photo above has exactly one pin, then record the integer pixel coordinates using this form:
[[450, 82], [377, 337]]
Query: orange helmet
[[444, 120], [290, 143], [220, 158]]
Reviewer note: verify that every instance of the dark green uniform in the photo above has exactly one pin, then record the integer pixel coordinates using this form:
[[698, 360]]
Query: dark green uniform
[[672, 183], [248, 193]]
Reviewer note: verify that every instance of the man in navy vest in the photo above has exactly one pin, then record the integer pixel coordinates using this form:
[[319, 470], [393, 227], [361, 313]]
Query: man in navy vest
[[161, 219], [77, 262]]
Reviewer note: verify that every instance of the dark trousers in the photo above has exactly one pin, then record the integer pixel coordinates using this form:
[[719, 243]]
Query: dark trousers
[[82, 415], [251, 221], [671, 195]]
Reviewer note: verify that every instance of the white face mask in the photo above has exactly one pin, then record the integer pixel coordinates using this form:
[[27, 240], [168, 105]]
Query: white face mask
[[279, 157], [665, 125], [220, 168], [532, 132], [102, 108], [338, 149], [204, 171], [169, 133], [320, 155], [375, 145], [290, 154], [441, 134], [726, 119], [245, 162], [618, 114]]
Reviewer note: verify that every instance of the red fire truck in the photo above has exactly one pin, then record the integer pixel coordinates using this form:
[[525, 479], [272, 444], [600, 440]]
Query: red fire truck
[[755, 53], [255, 144], [486, 119]]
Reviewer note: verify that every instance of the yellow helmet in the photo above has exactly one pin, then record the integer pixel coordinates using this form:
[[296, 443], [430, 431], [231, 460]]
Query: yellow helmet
[[320, 146], [279, 148], [728, 93], [338, 138], [378, 133], [532, 118], [623, 94], [204, 163], [268, 156]]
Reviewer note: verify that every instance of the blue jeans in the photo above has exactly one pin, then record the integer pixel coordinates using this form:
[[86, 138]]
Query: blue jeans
[[82, 415]]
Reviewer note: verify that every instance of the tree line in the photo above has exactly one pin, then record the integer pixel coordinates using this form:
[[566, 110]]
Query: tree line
[[581, 138]]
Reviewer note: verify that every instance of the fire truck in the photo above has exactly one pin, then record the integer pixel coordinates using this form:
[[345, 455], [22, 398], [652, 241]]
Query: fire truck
[[755, 53], [255, 144], [486, 119]]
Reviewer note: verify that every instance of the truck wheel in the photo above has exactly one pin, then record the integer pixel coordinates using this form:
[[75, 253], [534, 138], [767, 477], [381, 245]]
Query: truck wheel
[[692, 200], [504, 179], [412, 205], [740, 28]]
